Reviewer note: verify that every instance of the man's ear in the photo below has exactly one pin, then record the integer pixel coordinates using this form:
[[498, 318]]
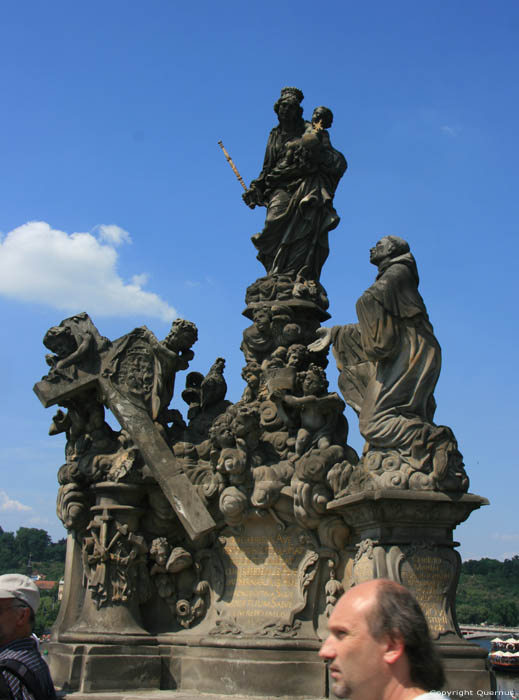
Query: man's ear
[[23, 617], [394, 649]]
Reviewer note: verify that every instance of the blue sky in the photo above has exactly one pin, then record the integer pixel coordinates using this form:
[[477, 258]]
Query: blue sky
[[108, 138]]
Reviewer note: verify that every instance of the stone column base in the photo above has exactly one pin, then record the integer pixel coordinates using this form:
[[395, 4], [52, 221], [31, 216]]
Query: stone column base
[[466, 667], [90, 668], [407, 536], [222, 670]]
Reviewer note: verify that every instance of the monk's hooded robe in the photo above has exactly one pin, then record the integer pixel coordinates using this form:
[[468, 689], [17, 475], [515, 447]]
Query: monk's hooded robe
[[390, 361]]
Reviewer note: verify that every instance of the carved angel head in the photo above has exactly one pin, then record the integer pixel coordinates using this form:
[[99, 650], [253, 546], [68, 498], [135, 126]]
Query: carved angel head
[[182, 336]]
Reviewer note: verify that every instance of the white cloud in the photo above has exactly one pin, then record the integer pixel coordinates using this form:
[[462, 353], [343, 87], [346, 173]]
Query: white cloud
[[506, 536], [10, 505], [207, 282], [450, 130], [39, 520], [74, 272], [113, 234], [140, 280]]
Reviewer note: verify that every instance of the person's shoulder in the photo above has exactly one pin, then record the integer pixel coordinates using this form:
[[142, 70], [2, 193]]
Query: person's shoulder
[[17, 645], [24, 650]]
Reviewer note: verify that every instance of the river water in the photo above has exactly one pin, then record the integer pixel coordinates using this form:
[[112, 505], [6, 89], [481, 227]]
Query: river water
[[507, 686]]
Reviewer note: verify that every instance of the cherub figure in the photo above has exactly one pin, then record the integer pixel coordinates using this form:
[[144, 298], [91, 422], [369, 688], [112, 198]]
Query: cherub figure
[[174, 354], [76, 344], [317, 409], [159, 552], [61, 342], [305, 153], [177, 578], [257, 339], [233, 454], [297, 355], [251, 373]]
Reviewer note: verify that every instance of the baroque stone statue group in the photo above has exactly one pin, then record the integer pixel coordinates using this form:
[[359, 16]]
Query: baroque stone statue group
[[226, 523]]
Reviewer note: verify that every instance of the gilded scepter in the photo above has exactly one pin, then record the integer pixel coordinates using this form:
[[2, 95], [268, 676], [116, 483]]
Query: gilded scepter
[[234, 168]]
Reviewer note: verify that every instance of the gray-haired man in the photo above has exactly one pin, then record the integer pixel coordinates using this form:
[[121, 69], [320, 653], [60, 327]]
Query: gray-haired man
[[24, 675]]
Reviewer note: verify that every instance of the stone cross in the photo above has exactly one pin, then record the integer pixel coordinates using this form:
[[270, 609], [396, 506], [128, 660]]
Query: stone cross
[[133, 417]]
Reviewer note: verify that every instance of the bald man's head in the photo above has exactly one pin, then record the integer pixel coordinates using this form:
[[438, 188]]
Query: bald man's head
[[378, 633]]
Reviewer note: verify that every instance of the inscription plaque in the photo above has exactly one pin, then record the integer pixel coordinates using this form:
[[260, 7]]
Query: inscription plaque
[[262, 574], [429, 578], [363, 569]]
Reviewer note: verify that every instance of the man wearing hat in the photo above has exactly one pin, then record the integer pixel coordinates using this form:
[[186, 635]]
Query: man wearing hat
[[24, 675]]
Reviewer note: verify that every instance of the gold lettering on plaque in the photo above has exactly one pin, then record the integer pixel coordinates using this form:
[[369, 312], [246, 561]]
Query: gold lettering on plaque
[[261, 573], [429, 577]]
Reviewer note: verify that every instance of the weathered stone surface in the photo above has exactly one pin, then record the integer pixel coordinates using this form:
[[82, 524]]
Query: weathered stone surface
[[90, 668], [408, 537], [465, 668], [135, 379], [165, 468], [390, 362], [255, 672], [267, 575], [206, 554], [300, 174], [177, 695]]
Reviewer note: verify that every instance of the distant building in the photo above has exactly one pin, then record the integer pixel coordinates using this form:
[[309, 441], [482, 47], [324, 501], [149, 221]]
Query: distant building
[[45, 585]]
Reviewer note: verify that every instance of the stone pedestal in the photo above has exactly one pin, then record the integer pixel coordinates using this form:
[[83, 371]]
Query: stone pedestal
[[207, 556], [260, 636], [407, 536], [91, 668], [267, 614], [233, 667]]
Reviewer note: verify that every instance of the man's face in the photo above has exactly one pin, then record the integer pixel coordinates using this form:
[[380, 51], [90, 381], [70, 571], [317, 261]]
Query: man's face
[[355, 658], [11, 618], [380, 251]]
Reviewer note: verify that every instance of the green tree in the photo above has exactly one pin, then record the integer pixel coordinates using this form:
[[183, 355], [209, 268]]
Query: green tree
[[32, 541], [56, 550], [511, 567], [487, 592], [8, 552], [47, 557], [483, 566], [504, 612], [47, 612]]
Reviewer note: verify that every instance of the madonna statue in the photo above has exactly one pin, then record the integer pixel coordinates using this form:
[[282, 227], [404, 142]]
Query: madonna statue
[[300, 174]]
